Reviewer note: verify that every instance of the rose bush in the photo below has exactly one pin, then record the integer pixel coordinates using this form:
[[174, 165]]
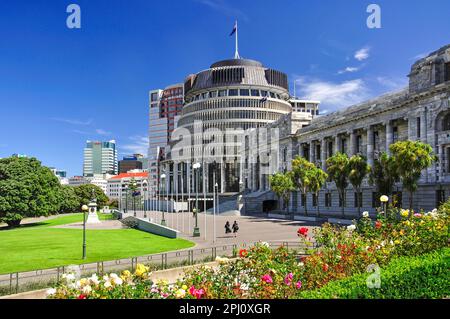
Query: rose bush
[[261, 272]]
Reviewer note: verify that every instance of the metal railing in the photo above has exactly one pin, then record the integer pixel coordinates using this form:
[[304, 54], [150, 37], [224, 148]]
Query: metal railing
[[16, 282]]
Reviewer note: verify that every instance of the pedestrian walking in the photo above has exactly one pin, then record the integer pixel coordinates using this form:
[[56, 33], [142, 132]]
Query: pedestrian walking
[[227, 227], [235, 228]]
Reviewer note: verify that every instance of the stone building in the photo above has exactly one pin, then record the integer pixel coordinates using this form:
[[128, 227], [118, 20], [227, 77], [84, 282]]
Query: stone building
[[419, 112]]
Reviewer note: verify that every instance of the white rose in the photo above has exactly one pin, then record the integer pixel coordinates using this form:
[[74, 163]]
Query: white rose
[[118, 281], [51, 291], [365, 214], [87, 289], [107, 284], [351, 227]]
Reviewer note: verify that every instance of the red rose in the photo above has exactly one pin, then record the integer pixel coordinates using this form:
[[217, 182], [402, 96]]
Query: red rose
[[325, 267], [302, 231], [81, 296], [378, 224], [243, 253]]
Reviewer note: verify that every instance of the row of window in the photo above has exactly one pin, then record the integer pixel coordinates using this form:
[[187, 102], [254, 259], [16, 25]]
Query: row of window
[[234, 92], [232, 114]]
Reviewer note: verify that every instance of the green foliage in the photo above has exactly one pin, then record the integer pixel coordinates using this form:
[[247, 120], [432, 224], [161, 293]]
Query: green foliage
[[318, 178], [423, 276], [358, 171], [338, 170], [84, 194], [302, 172], [28, 190], [282, 185], [69, 200], [411, 158], [384, 174]]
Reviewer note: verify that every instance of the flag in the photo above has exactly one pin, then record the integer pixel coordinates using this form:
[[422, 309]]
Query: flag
[[136, 193], [234, 29], [264, 99]]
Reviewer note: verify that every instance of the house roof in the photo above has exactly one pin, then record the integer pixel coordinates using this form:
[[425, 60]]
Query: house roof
[[131, 175]]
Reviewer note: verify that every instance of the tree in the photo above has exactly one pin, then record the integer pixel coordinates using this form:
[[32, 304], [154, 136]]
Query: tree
[[358, 171], [84, 194], [69, 200], [318, 178], [301, 174], [27, 189], [338, 169], [282, 185], [383, 174], [411, 158]]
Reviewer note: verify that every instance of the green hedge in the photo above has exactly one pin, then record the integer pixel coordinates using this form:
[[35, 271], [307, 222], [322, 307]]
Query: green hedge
[[425, 276]]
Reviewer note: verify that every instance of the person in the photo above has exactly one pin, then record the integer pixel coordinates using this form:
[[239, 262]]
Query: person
[[235, 228], [227, 227]]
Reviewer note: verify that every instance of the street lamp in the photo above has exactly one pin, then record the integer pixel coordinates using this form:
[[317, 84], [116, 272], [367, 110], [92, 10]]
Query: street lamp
[[144, 189], [196, 167], [84, 208], [216, 188], [163, 220], [384, 199], [134, 194]]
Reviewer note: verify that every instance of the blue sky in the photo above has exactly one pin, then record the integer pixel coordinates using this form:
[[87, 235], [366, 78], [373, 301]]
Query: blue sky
[[60, 87]]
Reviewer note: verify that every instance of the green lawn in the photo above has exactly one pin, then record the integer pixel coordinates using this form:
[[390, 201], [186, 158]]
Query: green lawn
[[37, 246]]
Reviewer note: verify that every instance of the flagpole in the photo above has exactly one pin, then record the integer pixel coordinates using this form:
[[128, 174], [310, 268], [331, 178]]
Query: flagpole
[[236, 54]]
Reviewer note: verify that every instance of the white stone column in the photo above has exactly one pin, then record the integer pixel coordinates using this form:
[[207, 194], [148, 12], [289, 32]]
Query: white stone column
[[389, 132], [336, 144], [352, 148], [370, 154], [323, 149], [423, 126], [312, 152]]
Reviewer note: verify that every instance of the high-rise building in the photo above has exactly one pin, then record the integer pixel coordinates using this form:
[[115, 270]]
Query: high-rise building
[[100, 158], [165, 107], [129, 163]]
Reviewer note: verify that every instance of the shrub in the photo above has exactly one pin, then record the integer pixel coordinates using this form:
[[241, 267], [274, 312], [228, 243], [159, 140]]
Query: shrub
[[423, 276]]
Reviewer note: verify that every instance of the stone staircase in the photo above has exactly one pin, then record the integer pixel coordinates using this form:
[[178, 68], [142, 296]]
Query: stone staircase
[[253, 202]]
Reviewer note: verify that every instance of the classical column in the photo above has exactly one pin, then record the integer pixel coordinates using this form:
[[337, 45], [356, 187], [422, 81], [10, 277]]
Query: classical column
[[352, 148], [370, 155], [312, 153], [323, 149], [336, 144], [423, 126], [389, 139]]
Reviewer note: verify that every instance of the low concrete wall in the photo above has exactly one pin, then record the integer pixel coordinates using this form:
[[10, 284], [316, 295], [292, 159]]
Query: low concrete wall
[[340, 221], [279, 216], [309, 218], [153, 228]]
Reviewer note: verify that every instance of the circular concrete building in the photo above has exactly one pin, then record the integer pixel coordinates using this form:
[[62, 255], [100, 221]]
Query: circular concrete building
[[235, 93]]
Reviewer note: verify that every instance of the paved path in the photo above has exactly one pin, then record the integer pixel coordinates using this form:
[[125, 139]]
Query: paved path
[[251, 228]]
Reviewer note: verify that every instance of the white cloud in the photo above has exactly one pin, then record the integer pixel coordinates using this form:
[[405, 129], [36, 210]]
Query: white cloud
[[349, 69], [73, 121], [138, 144], [100, 131], [334, 96], [362, 54]]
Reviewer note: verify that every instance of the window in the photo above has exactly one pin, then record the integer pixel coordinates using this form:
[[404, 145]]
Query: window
[[244, 92], [212, 94], [330, 148], [418, 127], [264, 93], [233, 92], [318, 152], [327, 199], [255, 92], [272, 95], [314, 200], [446, 123], [376, 141], [358, 199], [395, 134], [344, 145], [358, 144], [440, 197], [223, 93]]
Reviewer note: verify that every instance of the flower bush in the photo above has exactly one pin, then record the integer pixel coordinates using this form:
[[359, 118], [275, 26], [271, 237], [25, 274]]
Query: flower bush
[[261, 272]]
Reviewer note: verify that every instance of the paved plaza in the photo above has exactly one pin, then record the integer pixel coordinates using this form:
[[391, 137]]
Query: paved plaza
[[251, 228]]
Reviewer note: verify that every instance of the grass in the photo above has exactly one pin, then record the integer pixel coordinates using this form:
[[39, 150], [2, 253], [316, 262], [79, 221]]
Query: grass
[[39, 246]]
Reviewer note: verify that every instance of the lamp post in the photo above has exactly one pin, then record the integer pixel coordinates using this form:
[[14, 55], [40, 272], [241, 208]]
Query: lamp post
[[144, 189], [163, 220], [384, 200], [126, 198], [84, 208], [196, 167], [134, 194]]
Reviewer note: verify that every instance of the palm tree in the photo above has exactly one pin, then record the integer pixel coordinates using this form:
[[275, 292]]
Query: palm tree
[[358, 171], [318, 179], [338, 169], [301, 169], [282, 185]]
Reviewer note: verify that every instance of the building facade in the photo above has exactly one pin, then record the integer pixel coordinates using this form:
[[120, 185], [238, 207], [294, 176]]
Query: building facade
[[419, 112], [164, 108], [100, 158], [129, 163], [118, 188]]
